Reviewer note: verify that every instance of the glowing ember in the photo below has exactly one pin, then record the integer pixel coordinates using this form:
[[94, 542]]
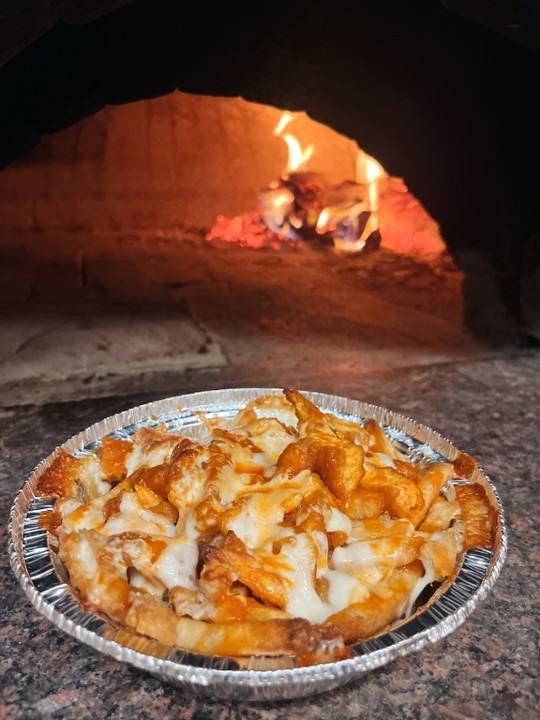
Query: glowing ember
[[247, 230]]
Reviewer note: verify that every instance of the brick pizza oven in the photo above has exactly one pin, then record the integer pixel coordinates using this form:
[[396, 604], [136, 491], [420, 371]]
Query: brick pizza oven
[[128, 127]]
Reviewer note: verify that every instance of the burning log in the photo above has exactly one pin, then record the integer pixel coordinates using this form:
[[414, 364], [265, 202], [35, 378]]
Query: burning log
[[305, 206]]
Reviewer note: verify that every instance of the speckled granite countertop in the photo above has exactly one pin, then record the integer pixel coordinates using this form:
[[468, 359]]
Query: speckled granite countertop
[[488, 668]]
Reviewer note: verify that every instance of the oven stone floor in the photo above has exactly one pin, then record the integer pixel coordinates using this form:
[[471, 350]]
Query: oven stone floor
[[114, 316], [72, 355]]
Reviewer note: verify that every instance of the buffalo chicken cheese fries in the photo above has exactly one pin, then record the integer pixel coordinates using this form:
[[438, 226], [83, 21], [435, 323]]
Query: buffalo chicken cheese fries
[[290, 531]]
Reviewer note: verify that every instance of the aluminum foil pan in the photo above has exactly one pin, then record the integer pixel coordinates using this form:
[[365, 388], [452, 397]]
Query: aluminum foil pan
[[42, 576]]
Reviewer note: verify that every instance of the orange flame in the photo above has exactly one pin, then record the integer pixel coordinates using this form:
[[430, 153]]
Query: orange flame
[[298, 156], [368, 172]]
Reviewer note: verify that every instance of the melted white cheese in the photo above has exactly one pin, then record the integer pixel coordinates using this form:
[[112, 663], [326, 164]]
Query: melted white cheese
[[66, 507], [84, 517], [139, 458], [272, 442], [141, 582], [343, 589], [338, 522], [320, 541], [356, 555], [86, 557], [177, 565], [230, 484], [284, 413], [92, 478], [302, 598], [134, 518], [370, 561], [375, 459], [259, 513], [257, 517]]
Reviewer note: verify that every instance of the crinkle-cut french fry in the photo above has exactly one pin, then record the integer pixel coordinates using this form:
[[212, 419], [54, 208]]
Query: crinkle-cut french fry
[[252, 637], [464, 466], [222, 606], [149, 500], [431, 481], [235, 439], [379, 443], [477, 514], [338, 463], [234, 561], [242, 456], [315, 508], [441, 514], [92, 515], [349, 431], [188, 475], [439, 552], [80, 478], [408, 469], [386, 603], [266, 406], [149, 447], [156, 444], [98, 572], [293, 460], [365, 503], [310, 418], [396, 494]]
